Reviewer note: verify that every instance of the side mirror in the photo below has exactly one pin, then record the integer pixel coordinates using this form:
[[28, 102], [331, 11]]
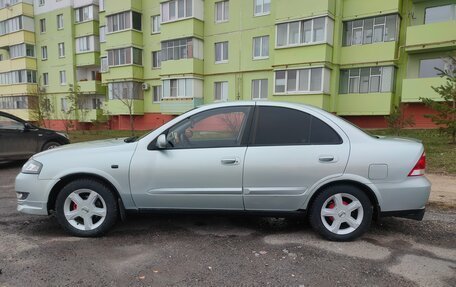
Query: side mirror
[[162, 143], [28, 127]]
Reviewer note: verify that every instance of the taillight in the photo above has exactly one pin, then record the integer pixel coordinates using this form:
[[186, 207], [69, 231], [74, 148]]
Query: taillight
[[419, 167]]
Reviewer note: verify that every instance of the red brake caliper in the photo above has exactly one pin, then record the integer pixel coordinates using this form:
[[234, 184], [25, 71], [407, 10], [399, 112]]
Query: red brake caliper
[[332, 205], [74, 206]]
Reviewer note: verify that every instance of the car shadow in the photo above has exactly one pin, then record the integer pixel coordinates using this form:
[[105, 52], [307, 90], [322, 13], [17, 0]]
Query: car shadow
[[11, 164]]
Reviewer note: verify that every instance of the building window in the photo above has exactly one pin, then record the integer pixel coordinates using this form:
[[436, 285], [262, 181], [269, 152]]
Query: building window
[[182, 88], [157, 96], [60, 22], [21, 50], [262, 7], [87, 44], [15, 102], [155, 20], [104, 64], [124, 56], [125, 90], [222, 11], [371, 30], [44, 53], [221, 52], [101, 4], [16, 24], [260, 89], [366, 80], [43, 25], [62, 77], [124, 21], [61, 47], [156, 59], [299, 81], [102, 34], [220, 91], [42, 2], [176, 9], [18, 77], [45, 79], [182, 49], [303, 32], [440, 14], [84, 14], [428, 67], [261, 47]]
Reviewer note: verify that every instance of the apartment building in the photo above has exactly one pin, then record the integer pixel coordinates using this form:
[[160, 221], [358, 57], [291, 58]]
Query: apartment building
[[160, 58]]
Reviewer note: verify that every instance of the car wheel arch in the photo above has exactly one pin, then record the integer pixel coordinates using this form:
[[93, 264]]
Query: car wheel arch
[[363, 187], [75, 176]]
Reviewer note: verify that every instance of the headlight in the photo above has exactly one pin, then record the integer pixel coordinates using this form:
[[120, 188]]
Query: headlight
[[32, 167], [62, 134]]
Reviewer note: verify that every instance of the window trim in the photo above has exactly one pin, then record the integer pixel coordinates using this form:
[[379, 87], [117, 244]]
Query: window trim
[[325, 40], [261, 48], [58, 22], [222, 100], [297, 92], [396, 36], [260, 90], [223, 61], [262, 13], [223, 12], [158, 31]]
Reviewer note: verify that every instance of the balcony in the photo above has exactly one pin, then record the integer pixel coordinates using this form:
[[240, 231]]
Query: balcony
[[359, 9], [303, 54], [177, 106], [299, 8], [23, 63], [25, 114], [86, 29], [182, 28], [124, 39], [124, 5], [319, 100], [116, 107], [370, 104], [371, 53], [88, 59], [92, 87], [16, 38], [414, 89], [183, 66], [17, 9], [18, 89], [124, 73], [431, 37]]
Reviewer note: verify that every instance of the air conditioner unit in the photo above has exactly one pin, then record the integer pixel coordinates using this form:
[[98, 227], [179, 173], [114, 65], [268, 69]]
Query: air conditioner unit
[[145, 86]]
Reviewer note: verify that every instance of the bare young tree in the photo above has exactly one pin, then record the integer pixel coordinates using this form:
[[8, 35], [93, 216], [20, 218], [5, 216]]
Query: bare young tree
[[42, 108], [128, 100]]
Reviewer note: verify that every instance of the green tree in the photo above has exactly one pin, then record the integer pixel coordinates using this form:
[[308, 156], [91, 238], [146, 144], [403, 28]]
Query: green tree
[[397, 120], [445, 107]]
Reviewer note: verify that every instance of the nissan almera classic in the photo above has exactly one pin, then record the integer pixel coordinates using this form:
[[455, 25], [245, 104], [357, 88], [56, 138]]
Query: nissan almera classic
[[252, 157]]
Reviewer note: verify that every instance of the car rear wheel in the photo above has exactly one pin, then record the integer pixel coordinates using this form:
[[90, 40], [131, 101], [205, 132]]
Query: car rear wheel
[[86, 208], [341, 213], [50, 145]]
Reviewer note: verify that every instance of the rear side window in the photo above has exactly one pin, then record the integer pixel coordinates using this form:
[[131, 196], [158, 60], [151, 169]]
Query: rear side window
[[283, 126]]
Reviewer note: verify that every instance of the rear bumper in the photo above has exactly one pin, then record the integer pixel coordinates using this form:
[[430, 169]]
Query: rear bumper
[[415, 214]]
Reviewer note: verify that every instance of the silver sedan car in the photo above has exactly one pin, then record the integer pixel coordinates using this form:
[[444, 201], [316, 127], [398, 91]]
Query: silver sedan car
[[249, 157]]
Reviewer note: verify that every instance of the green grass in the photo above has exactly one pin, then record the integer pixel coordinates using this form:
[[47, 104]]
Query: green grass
[[440, 155]]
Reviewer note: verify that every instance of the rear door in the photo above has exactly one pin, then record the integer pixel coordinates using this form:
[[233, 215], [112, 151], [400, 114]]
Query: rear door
[[289, 152]]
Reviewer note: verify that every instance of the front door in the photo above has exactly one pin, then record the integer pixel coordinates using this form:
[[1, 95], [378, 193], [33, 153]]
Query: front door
[[202, 166]]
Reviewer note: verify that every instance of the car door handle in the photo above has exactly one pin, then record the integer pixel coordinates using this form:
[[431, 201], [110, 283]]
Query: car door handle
[[326, 158], [230, 161]]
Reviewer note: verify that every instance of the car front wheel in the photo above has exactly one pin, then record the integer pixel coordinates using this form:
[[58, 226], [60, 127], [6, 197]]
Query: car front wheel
[[50, 145], [86, 208], [341, 213]]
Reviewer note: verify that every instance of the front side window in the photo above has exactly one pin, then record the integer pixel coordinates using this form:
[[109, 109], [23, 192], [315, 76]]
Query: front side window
[[303, 32], [262, 7], [284, 126], [260, 89], [221, 52], [299, 81], [440, 14], [371, 30], [366, 80], [220, 91], [261, 47], [223, 127], [10, 124], [222, 11]]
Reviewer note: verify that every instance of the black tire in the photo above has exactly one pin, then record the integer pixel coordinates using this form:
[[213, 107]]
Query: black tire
[[50, 145], [110, 201], [316, 220]]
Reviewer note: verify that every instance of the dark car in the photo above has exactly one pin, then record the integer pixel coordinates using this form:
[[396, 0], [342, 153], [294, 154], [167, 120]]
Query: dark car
[[20, 139]]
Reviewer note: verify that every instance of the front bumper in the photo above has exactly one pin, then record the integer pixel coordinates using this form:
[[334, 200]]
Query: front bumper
[[38, 193]]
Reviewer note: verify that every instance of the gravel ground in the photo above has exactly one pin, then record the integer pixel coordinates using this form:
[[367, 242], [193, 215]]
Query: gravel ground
[[206, 250]]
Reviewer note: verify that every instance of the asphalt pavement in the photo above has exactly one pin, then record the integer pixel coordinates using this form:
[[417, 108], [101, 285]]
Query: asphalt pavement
[[180, 250]]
